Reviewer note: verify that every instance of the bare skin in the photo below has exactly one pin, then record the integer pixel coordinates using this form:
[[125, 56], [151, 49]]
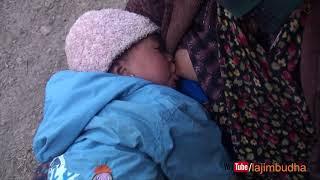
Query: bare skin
[[184, 66], [179, 24]]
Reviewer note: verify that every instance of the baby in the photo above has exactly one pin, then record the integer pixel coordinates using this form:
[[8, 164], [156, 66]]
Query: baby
[[117, 116]]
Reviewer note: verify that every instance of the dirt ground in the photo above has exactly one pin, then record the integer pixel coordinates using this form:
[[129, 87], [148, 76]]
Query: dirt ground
[[32, 34]]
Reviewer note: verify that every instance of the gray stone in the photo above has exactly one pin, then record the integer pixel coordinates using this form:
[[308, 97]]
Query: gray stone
[[19, 60], [48, 3], [45, 30]]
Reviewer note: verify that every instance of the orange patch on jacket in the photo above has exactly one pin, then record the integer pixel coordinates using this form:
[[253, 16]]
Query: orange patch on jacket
[[102, 169]]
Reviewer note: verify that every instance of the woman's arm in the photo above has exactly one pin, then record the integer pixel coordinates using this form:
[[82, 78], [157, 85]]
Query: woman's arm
[[182, 16]]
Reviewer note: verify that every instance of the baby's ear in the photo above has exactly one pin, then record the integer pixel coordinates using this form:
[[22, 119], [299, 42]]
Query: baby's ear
[[120, 69]]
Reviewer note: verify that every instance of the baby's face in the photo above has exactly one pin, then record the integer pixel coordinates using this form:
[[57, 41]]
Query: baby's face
[[149, 61]]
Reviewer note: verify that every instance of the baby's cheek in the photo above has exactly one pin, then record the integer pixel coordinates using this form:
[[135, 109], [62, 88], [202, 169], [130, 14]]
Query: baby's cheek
[[161, 75]]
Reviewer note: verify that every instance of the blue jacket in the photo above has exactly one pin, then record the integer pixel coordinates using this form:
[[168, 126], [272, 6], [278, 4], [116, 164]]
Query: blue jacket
[[140, 130]]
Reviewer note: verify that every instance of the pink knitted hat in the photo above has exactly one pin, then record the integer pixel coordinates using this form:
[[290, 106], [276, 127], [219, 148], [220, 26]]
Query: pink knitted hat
[[99, 37]]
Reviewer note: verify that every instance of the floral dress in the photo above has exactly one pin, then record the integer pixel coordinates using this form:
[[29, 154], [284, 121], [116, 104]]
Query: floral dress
[[262, 106]]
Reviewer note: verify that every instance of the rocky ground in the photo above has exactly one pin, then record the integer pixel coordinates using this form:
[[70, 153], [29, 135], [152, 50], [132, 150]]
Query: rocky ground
[[32, 34]]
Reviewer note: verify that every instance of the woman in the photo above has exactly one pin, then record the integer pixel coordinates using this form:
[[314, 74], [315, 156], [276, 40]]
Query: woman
[[250, 76]]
